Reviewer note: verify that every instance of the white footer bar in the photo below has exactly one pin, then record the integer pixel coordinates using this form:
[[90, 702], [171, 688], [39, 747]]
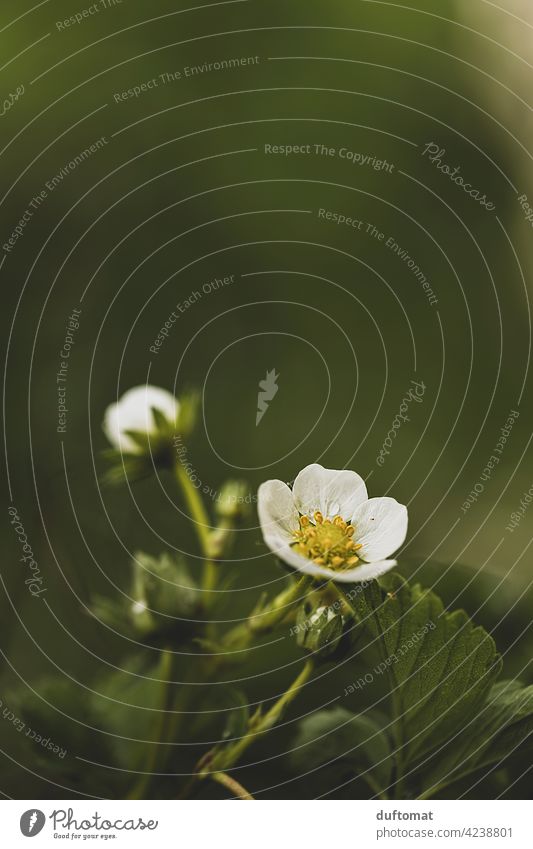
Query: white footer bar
[[270, 825]]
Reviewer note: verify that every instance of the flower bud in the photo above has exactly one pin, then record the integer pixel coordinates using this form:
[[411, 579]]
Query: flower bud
[[233, 502], [162, 598], [231, 507], [134, 423], [140, 618], [145, 428], [163, 587], [319, 629]]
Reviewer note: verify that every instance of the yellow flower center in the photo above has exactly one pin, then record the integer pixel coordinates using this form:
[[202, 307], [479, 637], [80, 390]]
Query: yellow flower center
[[328, 542]]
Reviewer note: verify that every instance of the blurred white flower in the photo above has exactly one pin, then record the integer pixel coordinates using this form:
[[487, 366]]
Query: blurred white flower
[[327, 527], [505, 90], [135, 412]]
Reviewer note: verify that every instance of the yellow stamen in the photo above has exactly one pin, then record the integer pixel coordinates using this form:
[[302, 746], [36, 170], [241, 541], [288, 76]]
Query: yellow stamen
[[329, 542]]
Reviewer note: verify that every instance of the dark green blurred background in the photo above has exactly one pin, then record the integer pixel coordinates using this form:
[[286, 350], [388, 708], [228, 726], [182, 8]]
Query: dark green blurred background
[[181, 193]]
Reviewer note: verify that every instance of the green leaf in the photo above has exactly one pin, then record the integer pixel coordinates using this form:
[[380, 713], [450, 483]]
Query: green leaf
[[356, 741], [111, 454], [499, 732], [441, 666], [141, 438], [57, 714], [166, 585], [160, 420], [112, 613], [126, 467], [128, 703], [188, 413]]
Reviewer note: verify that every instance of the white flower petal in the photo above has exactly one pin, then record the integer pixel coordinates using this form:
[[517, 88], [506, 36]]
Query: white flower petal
[[365, 571], [133, 411], [334, 493], [302, 564], [361, 572], [278, 516], [380, 527]]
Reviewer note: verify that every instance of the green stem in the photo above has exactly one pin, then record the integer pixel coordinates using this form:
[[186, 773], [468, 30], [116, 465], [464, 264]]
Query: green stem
[[214, 763], [202, 525], [374, 786], [166, 673], [231, 784], [176, 712], [239, 637], [264, 619], [196, 506], [229, 755], [436, 788]]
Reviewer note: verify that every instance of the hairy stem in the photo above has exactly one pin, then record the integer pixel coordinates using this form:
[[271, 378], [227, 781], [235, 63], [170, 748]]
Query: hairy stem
[[202, 525], [229, 755], [231, 784], [166, 672], [434, 789], [263, 620]]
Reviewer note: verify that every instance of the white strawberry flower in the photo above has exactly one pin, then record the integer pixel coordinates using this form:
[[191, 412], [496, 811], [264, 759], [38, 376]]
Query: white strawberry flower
[[134, 412], [328, 527]]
